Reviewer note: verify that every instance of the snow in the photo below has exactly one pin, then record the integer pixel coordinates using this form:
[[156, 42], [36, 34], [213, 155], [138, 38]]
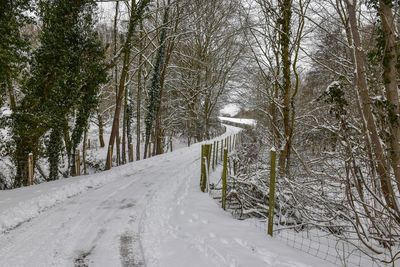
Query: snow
[[231, 109], [146, 213], [239, 121]]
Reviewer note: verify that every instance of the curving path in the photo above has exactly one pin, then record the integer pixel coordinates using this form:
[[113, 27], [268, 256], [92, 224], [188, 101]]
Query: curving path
[[147, 213]]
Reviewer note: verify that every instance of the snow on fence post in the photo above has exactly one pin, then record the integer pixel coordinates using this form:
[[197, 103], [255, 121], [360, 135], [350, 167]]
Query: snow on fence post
[[77, 163], [223, 178], [110, 150], [130, 152], [213, 156], [272, 183], [30, 169]]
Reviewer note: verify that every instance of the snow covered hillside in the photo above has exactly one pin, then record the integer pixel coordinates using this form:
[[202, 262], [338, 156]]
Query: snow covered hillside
[[147, 213]]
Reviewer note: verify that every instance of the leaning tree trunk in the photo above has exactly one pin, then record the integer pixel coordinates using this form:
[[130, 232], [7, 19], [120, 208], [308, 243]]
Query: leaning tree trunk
[[367, 115], [136, 14]]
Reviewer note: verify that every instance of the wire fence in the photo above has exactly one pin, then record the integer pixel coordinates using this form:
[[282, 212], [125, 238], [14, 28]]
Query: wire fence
[[321, 245], [340, 249]]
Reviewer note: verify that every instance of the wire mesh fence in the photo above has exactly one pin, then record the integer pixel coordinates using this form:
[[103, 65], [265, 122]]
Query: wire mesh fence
[[341, 248], [321, 245]]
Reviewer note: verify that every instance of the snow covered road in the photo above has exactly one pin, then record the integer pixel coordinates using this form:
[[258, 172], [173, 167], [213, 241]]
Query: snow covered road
[[148, 213]]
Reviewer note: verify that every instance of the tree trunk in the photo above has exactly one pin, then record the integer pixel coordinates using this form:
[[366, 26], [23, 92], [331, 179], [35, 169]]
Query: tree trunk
[[139, 94], [84, 148], [67, 142], [136, 14], [116, 80], [367, 115], [390, 76], [155, 90], [101, 129], [11, 96], [125, 127], [286, 13]]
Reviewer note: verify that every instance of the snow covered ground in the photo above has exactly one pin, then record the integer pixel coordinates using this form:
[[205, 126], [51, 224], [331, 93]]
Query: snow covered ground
[[147, 213], [239, 121]]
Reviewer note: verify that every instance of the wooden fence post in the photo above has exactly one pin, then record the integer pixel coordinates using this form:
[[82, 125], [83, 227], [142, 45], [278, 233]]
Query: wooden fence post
[[77, 163], [30, 169], [84, 161], [272, 184], [130, 152], [208, 156], [213, 156], [222, 149], [118, 144], [110, 150], [201, 165], [216, 153], [203, 169], [223, 178], [149, 154]]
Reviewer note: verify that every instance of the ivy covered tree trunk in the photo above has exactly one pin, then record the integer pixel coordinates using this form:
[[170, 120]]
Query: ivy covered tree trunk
[[53, 152], [390, 80], [13, 46], [26, 136], [154, 102], [66, 71], [285, 7], [101, 129]]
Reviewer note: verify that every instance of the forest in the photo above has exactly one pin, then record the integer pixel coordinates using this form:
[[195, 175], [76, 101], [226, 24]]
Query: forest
[[87, 85]]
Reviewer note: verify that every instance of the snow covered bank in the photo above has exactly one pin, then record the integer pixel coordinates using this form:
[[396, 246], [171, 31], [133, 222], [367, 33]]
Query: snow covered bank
[[251, 122], [22, 204]]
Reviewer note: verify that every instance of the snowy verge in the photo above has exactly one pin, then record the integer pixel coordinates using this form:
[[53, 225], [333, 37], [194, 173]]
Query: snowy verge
[[19, 212]]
